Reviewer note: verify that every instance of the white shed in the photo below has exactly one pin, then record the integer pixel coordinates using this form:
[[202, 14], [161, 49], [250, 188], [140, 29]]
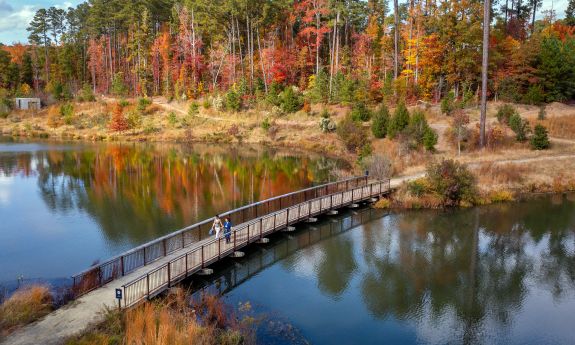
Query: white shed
[[28, 103]]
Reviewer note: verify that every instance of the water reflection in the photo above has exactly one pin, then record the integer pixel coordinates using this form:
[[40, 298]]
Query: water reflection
[[97, 200], [497, 274]]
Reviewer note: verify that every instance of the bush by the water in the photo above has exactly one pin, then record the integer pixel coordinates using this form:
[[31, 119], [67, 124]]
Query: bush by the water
[[24, 306], [452, 182]]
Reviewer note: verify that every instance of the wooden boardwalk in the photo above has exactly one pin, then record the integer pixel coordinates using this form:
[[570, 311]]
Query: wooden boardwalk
[[150, 269], [163, 262]]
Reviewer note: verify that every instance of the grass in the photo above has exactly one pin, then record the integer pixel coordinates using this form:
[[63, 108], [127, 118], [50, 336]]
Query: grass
[[169, 320], [559, 127], [24, 306]]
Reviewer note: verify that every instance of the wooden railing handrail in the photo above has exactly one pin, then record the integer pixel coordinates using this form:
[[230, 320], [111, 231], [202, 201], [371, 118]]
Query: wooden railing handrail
[[383, 186], [96, 269]]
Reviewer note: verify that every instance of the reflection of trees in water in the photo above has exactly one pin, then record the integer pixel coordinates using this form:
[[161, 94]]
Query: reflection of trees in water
[[473, 263], [138, 192]]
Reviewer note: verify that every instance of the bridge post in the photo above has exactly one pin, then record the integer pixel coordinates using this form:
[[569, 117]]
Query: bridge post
[[202, 256], [235, 232], [169, 273], [144, 256], [164, 246], [122, 264], [219, 248], [147, 285]]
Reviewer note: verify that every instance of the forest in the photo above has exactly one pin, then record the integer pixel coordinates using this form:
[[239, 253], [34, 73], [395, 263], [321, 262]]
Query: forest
[[338, 51]]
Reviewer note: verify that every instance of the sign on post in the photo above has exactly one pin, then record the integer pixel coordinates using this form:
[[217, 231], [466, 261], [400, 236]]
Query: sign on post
[[119, 298]]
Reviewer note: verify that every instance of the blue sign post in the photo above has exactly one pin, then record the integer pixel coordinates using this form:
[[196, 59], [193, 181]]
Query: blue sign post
[[119, 298]]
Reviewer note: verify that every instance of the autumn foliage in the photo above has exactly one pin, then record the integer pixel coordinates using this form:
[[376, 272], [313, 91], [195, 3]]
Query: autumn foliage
[[118, 123]]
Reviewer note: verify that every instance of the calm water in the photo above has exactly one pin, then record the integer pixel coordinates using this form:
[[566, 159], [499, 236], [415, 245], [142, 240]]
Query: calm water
[[63, 206], [502, 274]]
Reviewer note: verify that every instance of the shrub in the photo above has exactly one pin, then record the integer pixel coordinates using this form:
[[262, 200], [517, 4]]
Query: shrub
[[534, 95], [429, 139], [382, 203], [399, 121], [274, 91], [540, 139], [143, 103], [501, 196], [290, 100], [24, 306], [448, 103], [519, 126], [206, 103], [380, 122], [417, 127], [353, 135], [266, 124], [86, 94], [67, 113], [360, 112], [233, 101], [218, 102], [307, 107], [452, 181], [325, 113], [417, 187], [327, 125], [123, 103], [194, 109], [172, 118], [118, 122], [134, 119], [504, 112], [118, 86]]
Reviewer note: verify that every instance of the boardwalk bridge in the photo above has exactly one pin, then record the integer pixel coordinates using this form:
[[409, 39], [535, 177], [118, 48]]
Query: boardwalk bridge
[[154, 267]]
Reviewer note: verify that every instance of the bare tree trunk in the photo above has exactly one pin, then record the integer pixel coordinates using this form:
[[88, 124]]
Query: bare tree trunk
[[396, 40], [333, 63], [262, 60], [485, 65], [317, 41]]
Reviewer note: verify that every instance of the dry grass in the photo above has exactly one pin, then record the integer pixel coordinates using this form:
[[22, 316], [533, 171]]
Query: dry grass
[[169, 321], [559, 127], [24, 306]]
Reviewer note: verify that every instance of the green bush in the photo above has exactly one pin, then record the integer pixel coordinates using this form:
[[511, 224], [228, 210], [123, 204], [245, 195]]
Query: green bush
[[143, 103], [325, 113], [67, 113], [540, 139], [448, 103], [206, 104], [123, 103], [380, 122], [519, 126], [86, 94], [399, 121], [505, 112], [534, 95], [452, 182], [233, 101], [290, 100], [352, 134], [172, 119], [417, 127], [193, 109], [429, 139], [118, 86], [417, 187], [274, 91], [266, 124], [134, 119], [360, 112]]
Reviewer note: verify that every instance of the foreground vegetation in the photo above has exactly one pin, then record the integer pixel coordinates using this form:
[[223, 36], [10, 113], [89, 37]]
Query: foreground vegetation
[[24, 306]]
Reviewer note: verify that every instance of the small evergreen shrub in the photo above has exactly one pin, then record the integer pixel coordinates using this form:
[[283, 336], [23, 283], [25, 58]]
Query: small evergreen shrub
[[504, 113], [193, 109], [266, 124], [380, 122], [143, 103], [360, 112], [534, 95], [86, 94], [540, 139], [67, 113], [429, 139], [519, 126], [290, 100], [233, 101], [399, 121], [448, 103], [172, 118]]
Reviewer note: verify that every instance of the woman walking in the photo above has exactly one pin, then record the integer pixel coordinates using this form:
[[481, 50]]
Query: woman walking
[[216, 226]]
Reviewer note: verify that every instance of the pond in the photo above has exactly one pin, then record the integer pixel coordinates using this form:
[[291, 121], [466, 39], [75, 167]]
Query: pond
[[64, 206], [500, 274]]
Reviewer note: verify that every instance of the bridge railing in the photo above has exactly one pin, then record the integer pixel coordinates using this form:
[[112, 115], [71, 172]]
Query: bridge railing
[[149, 252], [164, 276]]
